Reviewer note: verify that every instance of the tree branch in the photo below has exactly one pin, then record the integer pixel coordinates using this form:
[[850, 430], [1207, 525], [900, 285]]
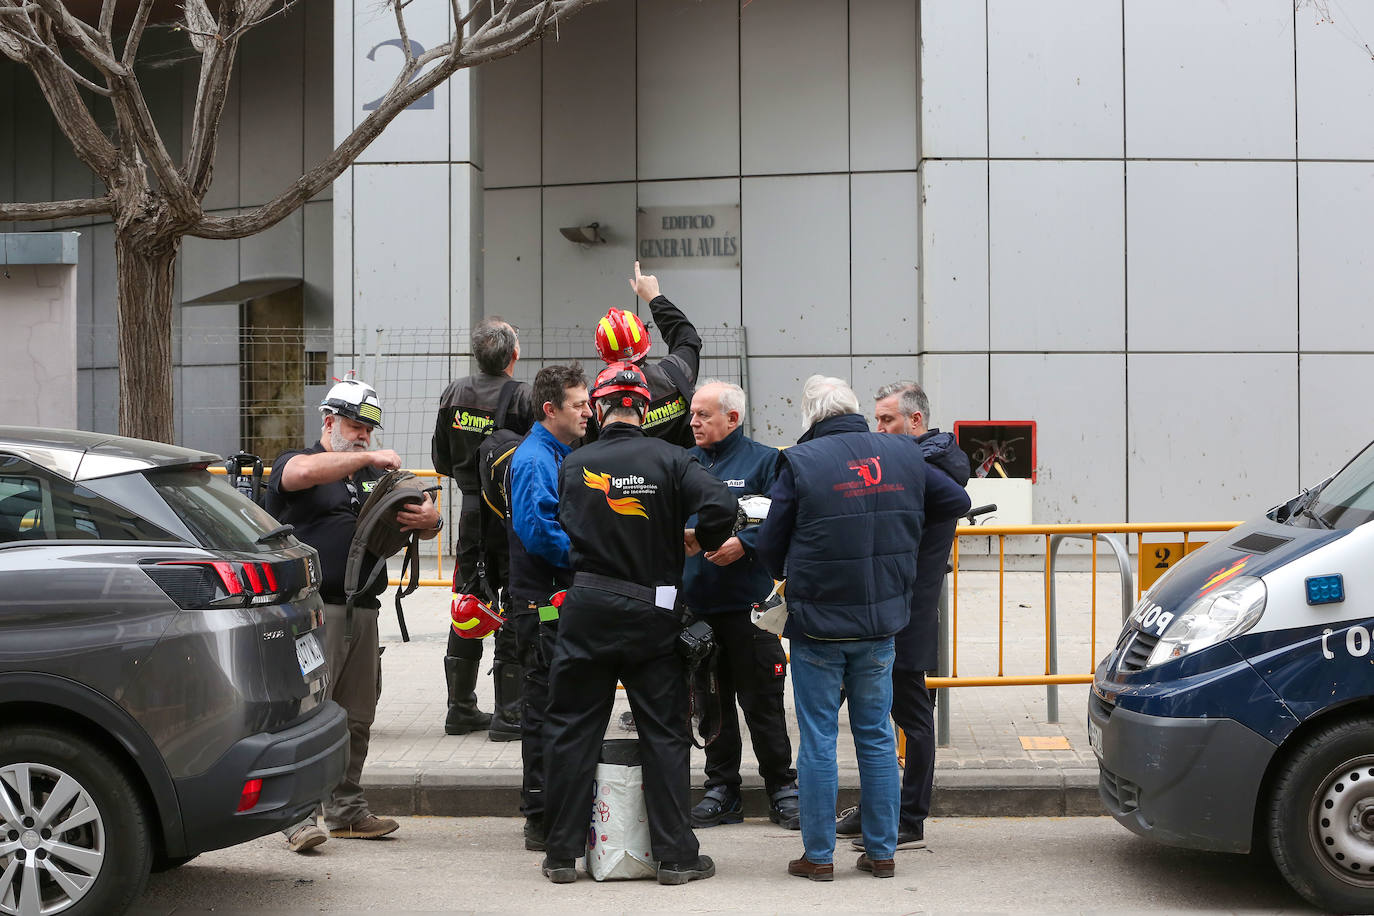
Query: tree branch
[[216, 70], [136, 122], [55, 209], [79, 35], [145, 9], [72, 116], [56, 58], [507, 39]]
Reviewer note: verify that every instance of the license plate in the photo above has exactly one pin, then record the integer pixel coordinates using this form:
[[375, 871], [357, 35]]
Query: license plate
[[1095, 738], [308, 654]]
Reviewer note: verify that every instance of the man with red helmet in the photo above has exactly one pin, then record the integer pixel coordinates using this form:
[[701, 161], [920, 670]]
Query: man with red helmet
[[623, 502], [622, 335]]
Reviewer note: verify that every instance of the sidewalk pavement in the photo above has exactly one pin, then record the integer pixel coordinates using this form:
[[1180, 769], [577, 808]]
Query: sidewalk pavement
[[992, 766]]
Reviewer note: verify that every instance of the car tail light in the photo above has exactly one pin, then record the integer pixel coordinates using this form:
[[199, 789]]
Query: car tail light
[[201, 584], [252, 791]]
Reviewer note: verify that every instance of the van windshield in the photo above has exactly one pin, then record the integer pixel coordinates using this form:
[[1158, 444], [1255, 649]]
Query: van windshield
[[1348, 500]]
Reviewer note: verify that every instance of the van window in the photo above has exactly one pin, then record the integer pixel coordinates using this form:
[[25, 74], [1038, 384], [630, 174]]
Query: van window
[[1348, 500]]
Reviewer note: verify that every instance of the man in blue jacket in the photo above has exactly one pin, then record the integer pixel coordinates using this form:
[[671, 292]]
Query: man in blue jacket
[[720, 587], [844, 528], [903, 409], [539, 564]]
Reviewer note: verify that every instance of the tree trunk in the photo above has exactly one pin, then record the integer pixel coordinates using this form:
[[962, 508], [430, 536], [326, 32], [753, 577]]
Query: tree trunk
[[146, 270]]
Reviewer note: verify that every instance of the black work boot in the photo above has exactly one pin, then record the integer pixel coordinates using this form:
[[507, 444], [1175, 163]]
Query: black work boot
[[784, 807], [463, 714], [505, 718], [720, 805]]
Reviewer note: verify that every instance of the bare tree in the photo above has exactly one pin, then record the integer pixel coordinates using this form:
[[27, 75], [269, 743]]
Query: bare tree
[[155, 202]]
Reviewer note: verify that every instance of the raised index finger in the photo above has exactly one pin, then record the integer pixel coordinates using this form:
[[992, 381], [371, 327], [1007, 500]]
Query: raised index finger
[[637, 273]]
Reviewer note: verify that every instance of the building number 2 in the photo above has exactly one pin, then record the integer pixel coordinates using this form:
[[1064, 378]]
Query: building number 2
[[424, 102]]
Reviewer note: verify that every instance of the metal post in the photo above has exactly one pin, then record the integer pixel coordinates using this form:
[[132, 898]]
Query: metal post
[[1123, 565], [942, 668]]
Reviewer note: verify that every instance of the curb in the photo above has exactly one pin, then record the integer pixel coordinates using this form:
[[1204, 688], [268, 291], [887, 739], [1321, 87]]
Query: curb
[[1011, 792]]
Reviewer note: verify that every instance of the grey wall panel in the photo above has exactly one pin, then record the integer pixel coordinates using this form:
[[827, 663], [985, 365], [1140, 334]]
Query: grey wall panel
[[511, 119], [318, 91], [869, 373], [957, 385], [1336, 279], [1078, 402], [465, 244], [1054, 78], [1333, 425], [72, 180], [775, 393], [33, 154], [224, 183], [210, 408], [209, 337], [1212, 261], [512, 256], [208, 265], [9, 76], [465, 111], [708, 296], [274, 252], [590, 135], [104, 400], [1057, 239], [421, 132], [954, 78], [1334, 79], [85, 409], [882, 85], [581, 282], [688, 88], [1186, 100], [795, 261], [85, 311], [400, 246], [954, 256], [319, 264], [794, 99], [884, 249], [104, 303], [272, 112], [1191, 458]]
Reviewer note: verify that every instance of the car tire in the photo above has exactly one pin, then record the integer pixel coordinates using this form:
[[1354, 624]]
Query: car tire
[[163, 863], [97, 837], [1321, 817]]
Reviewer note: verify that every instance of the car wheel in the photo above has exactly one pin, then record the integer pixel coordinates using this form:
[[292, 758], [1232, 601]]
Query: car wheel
[[74, 838], [1321, 817], [163, 863]]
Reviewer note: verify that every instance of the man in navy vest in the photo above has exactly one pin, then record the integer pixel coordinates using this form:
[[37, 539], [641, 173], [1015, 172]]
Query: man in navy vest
[[844, 529], [903, 409]]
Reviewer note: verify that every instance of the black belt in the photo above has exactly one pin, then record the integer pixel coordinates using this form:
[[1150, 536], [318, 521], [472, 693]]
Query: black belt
[[620, 587]]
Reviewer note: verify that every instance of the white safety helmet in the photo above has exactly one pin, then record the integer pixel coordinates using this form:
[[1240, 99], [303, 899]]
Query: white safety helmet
[[355, 400], [753, 509]]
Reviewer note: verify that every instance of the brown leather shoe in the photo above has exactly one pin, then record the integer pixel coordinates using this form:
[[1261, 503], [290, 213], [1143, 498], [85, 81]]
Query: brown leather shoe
[[371, 827], [805, 868], [878, 868]]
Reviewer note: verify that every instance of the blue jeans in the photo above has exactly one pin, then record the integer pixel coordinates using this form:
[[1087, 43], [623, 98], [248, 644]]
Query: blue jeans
[[864, 669]]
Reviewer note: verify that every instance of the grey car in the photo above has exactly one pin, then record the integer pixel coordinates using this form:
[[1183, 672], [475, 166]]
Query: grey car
[[163, 689]]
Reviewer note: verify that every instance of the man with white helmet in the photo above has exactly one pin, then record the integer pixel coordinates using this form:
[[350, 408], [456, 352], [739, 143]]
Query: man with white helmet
[[319, 491]]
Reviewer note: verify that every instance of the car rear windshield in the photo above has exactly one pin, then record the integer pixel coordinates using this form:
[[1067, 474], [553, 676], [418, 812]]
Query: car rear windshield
[[1348, 499], [216, 513]]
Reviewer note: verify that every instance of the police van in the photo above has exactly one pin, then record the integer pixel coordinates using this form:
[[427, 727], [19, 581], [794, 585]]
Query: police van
[[1236, 711]]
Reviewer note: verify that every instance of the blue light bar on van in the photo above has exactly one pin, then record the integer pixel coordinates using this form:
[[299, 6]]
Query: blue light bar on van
[[1325, 589]]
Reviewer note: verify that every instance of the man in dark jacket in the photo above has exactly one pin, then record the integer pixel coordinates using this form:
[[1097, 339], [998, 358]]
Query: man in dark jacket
[[903, 409], [470, 409], [844, 528], [721, 586], [624, 501], [622, 335], [539, 564]]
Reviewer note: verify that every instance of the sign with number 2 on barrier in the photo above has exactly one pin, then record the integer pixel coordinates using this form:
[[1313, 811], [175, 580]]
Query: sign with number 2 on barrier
[[1157, 559]]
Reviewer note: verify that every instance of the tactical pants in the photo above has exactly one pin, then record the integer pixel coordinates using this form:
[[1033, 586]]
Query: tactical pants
[[913, 709], [751, 671], [534, 643], [603, 638]]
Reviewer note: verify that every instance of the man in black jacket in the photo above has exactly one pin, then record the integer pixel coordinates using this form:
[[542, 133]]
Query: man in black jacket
[[623, 502], [621, 335], [903, 409], [470, 409]]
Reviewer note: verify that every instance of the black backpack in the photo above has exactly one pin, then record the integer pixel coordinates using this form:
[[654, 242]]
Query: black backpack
[[380, 534], [494, 454]]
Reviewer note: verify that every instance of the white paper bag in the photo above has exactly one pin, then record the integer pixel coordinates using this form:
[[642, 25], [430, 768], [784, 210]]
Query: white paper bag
[[618, 840]]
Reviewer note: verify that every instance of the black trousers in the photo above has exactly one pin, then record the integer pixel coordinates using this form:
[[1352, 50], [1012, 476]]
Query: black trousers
[[534, 645], [751, 670], [603, 638], [913, 709]]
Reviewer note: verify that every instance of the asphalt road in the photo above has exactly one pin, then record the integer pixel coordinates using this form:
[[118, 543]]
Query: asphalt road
[[479, 865]]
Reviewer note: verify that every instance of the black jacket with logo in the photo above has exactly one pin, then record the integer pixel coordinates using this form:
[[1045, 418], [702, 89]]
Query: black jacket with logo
[[624, 501], [669, 414], [466, 412]]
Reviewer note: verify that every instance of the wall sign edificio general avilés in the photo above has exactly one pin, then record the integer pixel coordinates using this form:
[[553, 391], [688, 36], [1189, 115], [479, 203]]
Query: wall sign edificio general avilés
[[689, 236]]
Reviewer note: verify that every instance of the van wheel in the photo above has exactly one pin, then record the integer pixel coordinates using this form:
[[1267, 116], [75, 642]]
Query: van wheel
[[74, 838], [1321, 818]]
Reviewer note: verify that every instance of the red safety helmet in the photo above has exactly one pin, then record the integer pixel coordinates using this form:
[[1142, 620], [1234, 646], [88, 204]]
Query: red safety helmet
[[473, 618], [621, 335], [621, 378]]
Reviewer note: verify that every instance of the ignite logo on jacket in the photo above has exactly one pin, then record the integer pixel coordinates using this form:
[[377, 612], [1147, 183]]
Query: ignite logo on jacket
[[623, 505]]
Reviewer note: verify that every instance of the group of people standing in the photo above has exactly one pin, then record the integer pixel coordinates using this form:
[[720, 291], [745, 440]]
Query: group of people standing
[[620, 523]]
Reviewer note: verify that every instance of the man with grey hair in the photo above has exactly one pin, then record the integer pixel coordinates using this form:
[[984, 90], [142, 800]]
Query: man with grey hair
[[844, 528], [720, 587], [471, 409], [903, 409]]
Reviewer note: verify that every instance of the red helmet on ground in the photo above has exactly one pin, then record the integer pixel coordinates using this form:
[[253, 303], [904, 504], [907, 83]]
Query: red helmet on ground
[[622, 336], [622, 378], [473, 618]]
